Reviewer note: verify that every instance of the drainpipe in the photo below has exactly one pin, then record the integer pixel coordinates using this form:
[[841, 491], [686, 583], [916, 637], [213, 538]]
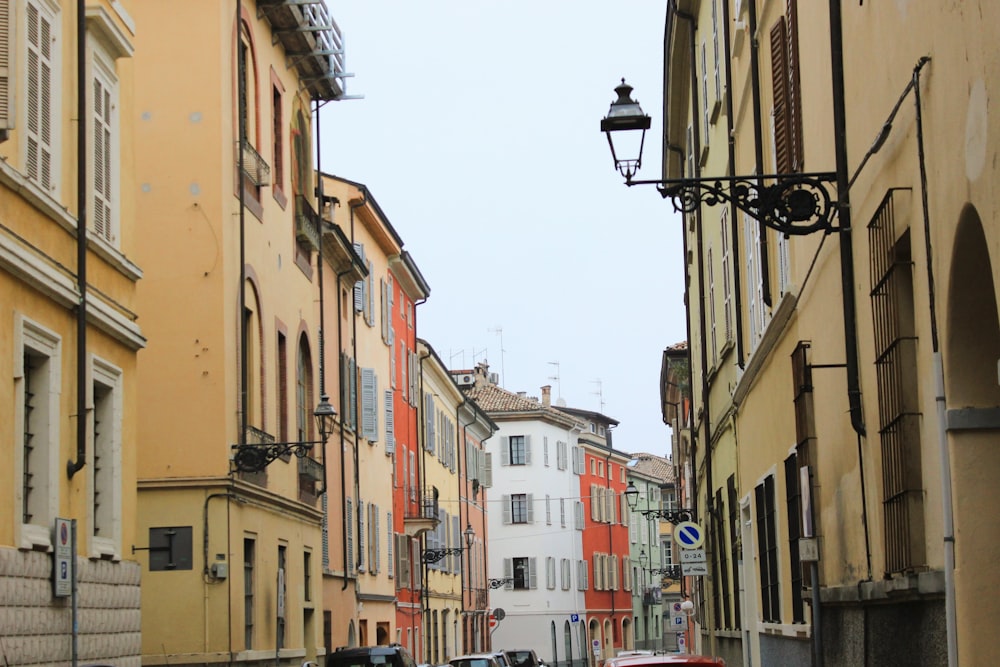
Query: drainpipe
[[422, 443], [734, 230], [699, 243], [73, 467], [468, 517], [939, 392], [758, 143], [354, 354], [844, 218]]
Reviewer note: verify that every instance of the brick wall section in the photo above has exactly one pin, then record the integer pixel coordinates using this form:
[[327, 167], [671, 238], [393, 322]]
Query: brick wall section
[[35, 626]]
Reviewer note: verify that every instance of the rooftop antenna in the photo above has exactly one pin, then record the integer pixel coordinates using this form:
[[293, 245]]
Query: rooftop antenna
[[477, 355], [599, 393], [498, 330], [451, 358], [557, 379]]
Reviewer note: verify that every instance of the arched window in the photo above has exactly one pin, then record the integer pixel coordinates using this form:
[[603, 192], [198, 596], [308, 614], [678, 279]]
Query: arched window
[[254, 357], [303, 392]]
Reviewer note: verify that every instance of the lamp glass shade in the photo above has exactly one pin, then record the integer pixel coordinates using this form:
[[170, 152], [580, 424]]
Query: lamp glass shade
[[324, 414], [470, 535], [631, 495]]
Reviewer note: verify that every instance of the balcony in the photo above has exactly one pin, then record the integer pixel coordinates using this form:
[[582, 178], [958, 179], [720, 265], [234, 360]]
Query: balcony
[[652, 597], [306, 223], [254, 166], [310, 476], [425, 518], [312, 42]]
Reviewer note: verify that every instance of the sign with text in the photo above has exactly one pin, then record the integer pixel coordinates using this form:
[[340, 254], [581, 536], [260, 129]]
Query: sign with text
[[692, 555], [62, 564], [694, 569]]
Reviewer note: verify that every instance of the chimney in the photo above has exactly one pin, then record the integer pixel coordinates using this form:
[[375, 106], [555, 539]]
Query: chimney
[[547, 395]]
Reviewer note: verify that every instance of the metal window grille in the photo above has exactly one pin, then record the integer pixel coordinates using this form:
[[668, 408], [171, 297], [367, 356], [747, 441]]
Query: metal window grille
[[895, 365]]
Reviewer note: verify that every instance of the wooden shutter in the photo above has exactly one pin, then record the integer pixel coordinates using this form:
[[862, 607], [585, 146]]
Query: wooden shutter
[[359, 286], [505, 451], [505, 502], [38, 134], [102, 161], [369, 418], [527, 450], [779, 87], [794, 86], [533, 572], [6, 30], [390, 423], [530, 500]]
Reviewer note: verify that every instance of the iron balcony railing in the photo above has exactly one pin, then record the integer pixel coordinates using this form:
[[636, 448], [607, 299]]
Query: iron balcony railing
[[254, 166]]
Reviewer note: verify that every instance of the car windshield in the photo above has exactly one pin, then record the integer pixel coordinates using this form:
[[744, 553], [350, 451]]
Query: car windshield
[[364, 661], [520, 657], [471, 662]]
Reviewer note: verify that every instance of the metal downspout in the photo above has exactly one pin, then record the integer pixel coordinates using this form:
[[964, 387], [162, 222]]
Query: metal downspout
[[939, 393], [73, 467], [699, 243], [758, 144], [734, 230]]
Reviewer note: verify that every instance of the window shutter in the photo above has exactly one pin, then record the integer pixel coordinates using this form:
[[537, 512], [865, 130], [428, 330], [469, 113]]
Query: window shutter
[[779, 87], [102, 161], [505, 502], [505, 451], [531, 507], [794, 86], [376, 540], [533, 573], [361, 536], [6, 30], [527, 450], [384, 289], [38, 133], [593, 502], [508, 573], [368, 417], [370, 294], [390, 423], [487, 479], [359, 286], [429, 419], [349, 521]]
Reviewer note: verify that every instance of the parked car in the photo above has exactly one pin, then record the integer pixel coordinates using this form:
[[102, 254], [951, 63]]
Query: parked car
[[523, 657], [502, 659], [475, 660], [664, 660], [391, 655]]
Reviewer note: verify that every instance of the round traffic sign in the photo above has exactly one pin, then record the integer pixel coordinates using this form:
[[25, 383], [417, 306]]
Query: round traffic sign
[[689, 535]]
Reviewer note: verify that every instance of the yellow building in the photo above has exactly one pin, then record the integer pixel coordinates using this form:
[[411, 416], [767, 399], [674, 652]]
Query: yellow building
[[858, 367], [230, 469], [360, 586], [69, 335], [445, 546]]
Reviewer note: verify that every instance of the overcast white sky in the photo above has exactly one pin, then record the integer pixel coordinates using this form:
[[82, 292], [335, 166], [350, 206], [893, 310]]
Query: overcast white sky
[[479, 136]]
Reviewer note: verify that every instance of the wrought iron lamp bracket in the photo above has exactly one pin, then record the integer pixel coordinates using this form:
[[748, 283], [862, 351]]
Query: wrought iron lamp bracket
[[256, 457], [792, 204], [500, 583], [674, 516], [434, 555], [670, 571]]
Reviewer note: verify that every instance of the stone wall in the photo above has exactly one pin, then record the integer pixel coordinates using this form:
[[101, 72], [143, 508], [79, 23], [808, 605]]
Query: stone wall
[[36, 626]]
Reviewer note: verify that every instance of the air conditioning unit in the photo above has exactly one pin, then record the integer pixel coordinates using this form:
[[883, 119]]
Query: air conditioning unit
[[465, 380], [494, 378]]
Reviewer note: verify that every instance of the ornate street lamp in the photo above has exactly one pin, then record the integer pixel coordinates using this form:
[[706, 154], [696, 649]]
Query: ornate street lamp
[[434, 555], [790, 203], [674, 516], [501, 582], [255, 457]]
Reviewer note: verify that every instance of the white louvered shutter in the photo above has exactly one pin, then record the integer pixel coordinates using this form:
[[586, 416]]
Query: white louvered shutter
[[39, 127], [390, 423]]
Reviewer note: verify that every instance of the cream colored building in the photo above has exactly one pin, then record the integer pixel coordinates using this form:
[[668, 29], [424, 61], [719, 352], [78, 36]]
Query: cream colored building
[[360, 583], [231, 468], [861, 381], [69, 334]]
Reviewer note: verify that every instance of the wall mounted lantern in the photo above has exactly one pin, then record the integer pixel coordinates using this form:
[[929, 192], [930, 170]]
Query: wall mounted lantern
[[255, 457], [674, 516]]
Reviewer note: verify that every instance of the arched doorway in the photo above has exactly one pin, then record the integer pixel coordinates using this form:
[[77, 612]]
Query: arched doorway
[[972, 351], [594, 630], [628, 636]]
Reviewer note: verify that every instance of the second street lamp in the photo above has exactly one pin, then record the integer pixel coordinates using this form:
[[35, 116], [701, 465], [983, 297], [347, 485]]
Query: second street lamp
[[434, 555], [674, 516]]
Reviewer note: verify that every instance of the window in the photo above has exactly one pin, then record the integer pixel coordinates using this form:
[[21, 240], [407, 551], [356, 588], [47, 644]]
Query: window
[[755, 280], [105, 404], [517, 450], [254, 356], [894, 333], [550, 573], [283, 407], [793, 512], [727, 293], [786, 91], [277, 139], [303, 392], [713, 339], [249, 563], [565, 575], [37, 381], [767, 546], [517, 508], [548, 510], [522, 570], [545, 451], [103, 147], [280, 594], [43, 50], [307, 576], [734, 532]]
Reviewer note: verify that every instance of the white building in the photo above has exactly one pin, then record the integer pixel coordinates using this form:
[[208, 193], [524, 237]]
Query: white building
[[535, 522]]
